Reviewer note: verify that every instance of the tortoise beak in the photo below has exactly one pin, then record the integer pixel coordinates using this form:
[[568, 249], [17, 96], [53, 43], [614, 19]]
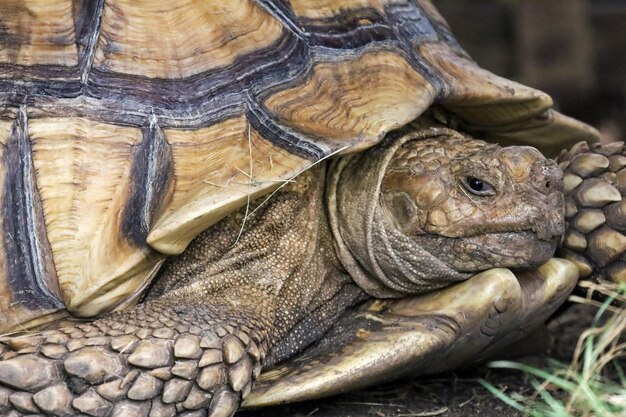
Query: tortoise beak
[[545, 181], [548, 180]]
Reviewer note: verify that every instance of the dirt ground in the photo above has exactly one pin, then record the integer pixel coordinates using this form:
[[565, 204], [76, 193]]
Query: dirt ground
[[453, 394]]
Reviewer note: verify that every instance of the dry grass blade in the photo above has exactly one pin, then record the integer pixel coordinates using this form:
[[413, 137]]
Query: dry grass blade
[[594, 383], [605, 290], [250, 179], [287, 181]]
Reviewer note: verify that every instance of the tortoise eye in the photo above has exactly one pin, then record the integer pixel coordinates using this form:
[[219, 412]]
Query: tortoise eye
[[478, 187]]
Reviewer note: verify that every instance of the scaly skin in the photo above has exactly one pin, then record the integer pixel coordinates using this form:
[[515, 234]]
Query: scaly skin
[[157, 357], [595, 183], [232, 304]]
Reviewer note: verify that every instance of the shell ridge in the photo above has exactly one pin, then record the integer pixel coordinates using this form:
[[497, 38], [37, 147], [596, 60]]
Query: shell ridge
[[282, 136], [290, 68], [152, 176], [325, 54], [348, 30], [286, 17], [30, 265], [92, 40]]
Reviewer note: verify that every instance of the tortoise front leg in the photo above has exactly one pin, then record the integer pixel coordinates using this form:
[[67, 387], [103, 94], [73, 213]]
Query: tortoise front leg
[[420, 335], [595, 211], [158, 359]]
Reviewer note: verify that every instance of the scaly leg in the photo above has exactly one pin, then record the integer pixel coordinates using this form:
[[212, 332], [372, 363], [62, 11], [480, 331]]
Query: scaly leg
[[595, 211], [158, 359]]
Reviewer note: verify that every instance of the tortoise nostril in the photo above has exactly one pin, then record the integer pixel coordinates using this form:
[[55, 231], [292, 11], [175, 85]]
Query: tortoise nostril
[[547, 184]]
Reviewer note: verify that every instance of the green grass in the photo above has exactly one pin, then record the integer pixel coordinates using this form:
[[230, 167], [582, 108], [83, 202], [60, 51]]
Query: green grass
[[594, 383]]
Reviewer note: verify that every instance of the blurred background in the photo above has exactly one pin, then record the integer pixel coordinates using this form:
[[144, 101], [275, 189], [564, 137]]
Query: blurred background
[[575, 50]]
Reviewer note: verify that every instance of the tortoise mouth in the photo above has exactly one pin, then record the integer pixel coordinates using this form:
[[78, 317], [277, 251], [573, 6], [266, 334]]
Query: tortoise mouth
[[512, 249]]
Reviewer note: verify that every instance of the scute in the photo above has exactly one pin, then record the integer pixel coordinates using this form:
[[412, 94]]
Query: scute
[[333, 106], [503, 110], [218, 169], [84, 178], [145, 123], [38, 33], [193, 36]]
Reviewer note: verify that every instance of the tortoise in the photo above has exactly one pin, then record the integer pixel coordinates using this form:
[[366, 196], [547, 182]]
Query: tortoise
[[273, 201]]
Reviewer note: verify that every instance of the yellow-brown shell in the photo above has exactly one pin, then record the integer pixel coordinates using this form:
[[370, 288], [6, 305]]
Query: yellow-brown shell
[[127, 127]]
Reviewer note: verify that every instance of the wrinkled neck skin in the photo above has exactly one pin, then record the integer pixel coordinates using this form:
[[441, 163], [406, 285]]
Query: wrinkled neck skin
[[381, 259], [281, 261]]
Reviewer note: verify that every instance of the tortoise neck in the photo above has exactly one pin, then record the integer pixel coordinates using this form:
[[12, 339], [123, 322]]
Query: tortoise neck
[[382, 260], [284, 250]]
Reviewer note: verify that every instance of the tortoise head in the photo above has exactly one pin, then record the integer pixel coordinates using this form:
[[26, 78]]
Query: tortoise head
[[441, 206], [475, 205]]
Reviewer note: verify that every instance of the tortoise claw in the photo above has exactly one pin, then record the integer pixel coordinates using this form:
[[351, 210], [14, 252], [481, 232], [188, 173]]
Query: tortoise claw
[[420, 335]]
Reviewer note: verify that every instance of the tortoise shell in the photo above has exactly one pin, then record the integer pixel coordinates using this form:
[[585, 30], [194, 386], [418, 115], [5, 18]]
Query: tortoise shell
[[129, 127]]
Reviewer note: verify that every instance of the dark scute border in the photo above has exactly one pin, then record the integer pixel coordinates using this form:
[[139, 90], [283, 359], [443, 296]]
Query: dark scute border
[[295, 143], [257, 71], [27, 251], [151, 175], [348, 30]]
